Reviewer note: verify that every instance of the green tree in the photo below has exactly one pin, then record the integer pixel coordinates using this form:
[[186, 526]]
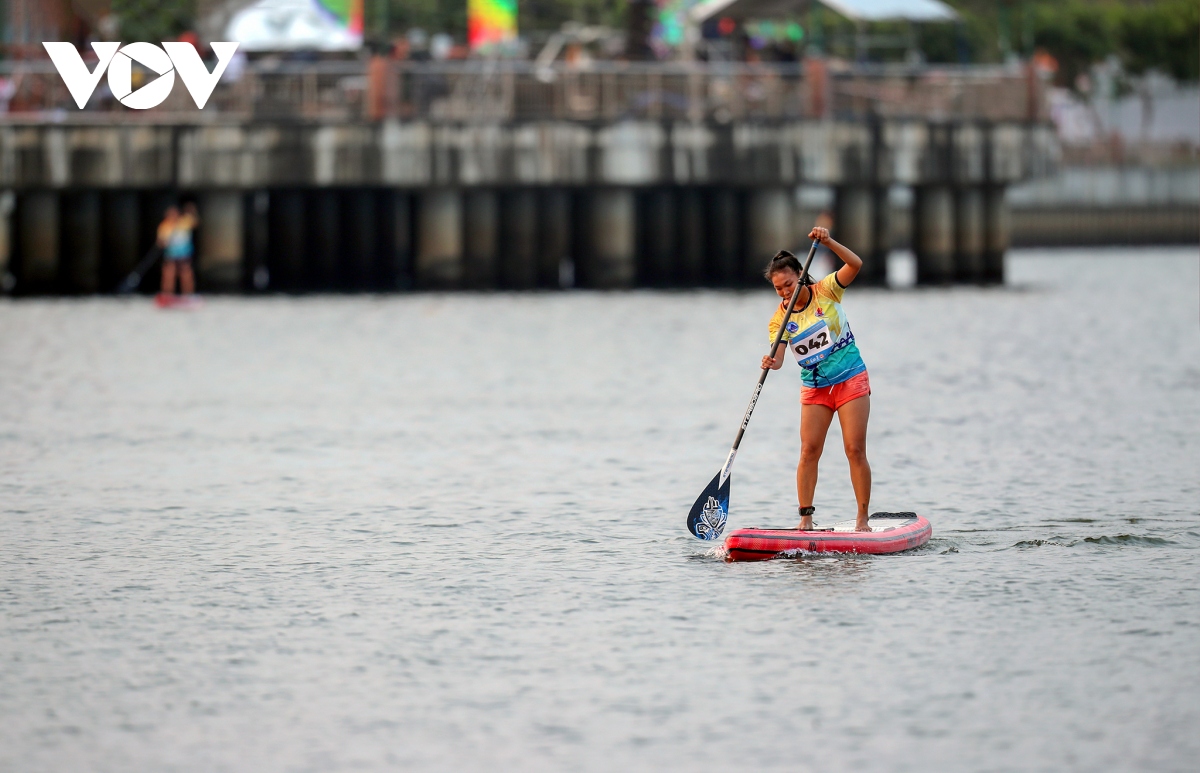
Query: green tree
[[1078, 34], [154, 20], [1164, 36]]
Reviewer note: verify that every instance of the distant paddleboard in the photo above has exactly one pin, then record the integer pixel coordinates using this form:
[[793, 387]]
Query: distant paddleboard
[[171, 301], [890, 533]]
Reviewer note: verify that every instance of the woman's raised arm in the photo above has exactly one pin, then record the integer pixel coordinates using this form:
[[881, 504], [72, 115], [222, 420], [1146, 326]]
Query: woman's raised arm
[[853, 263]]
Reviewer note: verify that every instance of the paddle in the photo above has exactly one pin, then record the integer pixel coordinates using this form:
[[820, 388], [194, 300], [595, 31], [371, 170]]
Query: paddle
[[707, 518], [131, 282]]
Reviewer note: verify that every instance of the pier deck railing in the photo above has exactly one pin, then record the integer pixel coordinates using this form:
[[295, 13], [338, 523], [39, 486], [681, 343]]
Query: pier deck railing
[[31, 91]]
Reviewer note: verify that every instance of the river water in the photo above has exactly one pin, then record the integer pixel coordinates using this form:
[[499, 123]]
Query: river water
[[446, 532]]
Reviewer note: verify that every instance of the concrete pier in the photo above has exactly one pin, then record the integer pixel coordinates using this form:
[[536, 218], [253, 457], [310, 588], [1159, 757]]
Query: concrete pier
[[81, 242], [439, 262], [689, 260], [723, 237], [37, 240], [288, 248], [770, 229], [854, 225], [997, 228], [519, 240], [970, 235], [854, 217], [443, 202], [360, 236], [398, 242], [481, 239], [659, 238], [8, 202], [933, 234], [324, 233], [611, 215], [554, 242], [122, 225], [256, 208]]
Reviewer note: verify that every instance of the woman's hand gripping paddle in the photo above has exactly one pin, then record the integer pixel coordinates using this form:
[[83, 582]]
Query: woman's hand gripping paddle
[[707, 518]]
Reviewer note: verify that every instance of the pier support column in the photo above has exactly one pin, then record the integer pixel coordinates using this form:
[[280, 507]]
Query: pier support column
[[933, 234], [323, 216], [288, 242], [397, 226], [481, 224], [970, 235], [689, 263], [222, 240], [256, 212], [360, 239], [37, 240], [439, 239], [769, 213], [660, 230], [518, 226], [81, 242], [996, 233], [8, 202], [612, 231], [860, 223], [554, 244], [122, 227], [723, 234]]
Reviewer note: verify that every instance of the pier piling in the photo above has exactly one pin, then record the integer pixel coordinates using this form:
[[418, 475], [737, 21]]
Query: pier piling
[[439, 239], [933, 234]]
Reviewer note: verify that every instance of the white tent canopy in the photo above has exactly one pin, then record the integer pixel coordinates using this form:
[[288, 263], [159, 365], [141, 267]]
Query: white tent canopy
[[856, 10], [289, 25]]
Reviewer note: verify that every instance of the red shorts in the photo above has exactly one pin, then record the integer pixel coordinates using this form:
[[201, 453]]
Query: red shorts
[[834, 397]]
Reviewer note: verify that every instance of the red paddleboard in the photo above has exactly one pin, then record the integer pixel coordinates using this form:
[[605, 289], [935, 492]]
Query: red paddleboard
[[171, 301], [890, 533]]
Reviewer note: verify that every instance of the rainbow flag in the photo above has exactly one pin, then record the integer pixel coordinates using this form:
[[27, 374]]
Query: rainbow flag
[[491, 22], [347, 13]]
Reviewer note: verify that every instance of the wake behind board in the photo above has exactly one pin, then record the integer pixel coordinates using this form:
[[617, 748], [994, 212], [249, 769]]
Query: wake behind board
[[890, 533], [172, 301]]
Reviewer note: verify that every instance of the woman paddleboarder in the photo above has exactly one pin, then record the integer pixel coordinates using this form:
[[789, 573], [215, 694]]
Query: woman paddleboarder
[[832, 371]]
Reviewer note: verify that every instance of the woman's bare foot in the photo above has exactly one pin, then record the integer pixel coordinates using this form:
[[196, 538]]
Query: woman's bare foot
[[861, 523], [805, 523]]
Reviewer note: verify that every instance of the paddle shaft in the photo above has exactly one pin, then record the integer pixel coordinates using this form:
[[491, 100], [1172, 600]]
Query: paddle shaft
[[774, 347], [131, 282]]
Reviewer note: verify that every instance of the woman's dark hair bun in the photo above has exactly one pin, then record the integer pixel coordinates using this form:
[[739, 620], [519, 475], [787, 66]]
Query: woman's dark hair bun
[[783, 261]]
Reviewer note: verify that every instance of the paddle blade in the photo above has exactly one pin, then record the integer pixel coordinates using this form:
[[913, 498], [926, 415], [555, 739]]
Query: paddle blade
[[707, 518]]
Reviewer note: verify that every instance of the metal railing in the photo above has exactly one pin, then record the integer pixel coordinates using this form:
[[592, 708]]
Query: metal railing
[[31, 91]]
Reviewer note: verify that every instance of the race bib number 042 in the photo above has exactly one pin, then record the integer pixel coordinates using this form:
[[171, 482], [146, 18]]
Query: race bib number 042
[[812, 345]]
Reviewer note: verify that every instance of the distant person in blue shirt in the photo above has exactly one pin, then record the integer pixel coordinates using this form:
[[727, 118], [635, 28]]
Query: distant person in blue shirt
[[175, 240]]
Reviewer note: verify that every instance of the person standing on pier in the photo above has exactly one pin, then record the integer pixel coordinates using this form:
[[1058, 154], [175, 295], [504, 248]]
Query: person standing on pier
[[175, 240]]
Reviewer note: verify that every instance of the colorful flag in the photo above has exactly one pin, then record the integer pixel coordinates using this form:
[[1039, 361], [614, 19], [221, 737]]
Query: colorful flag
[[347, 13], [491, 22]]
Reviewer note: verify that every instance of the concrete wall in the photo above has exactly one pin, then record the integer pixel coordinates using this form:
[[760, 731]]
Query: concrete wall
[[310, 206], [420, 154], [1108, 205]]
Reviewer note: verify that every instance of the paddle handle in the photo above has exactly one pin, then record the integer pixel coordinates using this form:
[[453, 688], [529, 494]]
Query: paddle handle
[[774, 348]]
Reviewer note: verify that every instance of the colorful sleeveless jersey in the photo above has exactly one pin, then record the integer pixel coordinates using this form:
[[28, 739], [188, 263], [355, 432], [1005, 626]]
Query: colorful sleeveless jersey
[[820, 338], [179, 239]]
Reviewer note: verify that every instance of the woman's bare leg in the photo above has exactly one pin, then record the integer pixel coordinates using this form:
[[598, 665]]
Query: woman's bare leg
[[853, 417], [168, 277], [814, 425], [187, 278]]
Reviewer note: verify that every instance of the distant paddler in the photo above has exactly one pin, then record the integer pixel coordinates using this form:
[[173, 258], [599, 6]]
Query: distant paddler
[[175, 240], [833, 373]]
